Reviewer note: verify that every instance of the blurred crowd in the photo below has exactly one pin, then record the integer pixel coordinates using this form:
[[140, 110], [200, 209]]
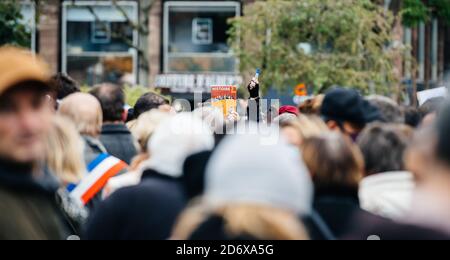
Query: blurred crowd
[[340, 166]]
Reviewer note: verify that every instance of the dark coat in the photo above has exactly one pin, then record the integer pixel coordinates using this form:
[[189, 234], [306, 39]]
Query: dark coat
[[28, 206], [118, 141], [92, 149], [147, 211], [339, 207]]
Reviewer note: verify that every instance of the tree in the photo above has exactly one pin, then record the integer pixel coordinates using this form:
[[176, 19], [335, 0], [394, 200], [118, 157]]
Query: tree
[[417, 11], [318, 42], [12, 30]]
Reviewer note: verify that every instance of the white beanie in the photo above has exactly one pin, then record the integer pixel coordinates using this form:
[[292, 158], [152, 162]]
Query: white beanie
[[174, 140], [244, 170]]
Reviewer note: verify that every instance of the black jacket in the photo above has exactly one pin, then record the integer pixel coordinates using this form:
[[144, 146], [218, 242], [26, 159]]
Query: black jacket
[[147, 211], [28, 206], [339, 207], [118, 141]]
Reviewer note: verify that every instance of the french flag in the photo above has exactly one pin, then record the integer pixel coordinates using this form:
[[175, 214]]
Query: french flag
[[100, 171]]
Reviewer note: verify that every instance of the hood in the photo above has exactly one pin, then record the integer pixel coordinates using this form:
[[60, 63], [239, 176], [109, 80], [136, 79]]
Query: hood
[[387, 194]]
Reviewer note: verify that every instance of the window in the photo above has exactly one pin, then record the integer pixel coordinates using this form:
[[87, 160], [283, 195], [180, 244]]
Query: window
[[98, 40], [28, 11], [195, 37]]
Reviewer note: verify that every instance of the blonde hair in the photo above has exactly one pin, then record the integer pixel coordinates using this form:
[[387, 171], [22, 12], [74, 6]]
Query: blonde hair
[[257, 221], [306, 126], [85, 112], [143, 127], [64, 151]]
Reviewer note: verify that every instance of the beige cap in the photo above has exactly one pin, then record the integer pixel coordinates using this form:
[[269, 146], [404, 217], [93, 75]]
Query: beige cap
[[19, 65]]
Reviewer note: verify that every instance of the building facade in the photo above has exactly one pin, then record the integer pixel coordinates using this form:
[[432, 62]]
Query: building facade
[[180, 46]]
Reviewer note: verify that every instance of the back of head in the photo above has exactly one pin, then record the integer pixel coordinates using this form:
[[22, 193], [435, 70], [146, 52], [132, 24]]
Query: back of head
[[145, 125], [334, 162], [412, 116], [390, 111], [431, 106], [383, 147], [85, 112], [245, 170], [174, 140], [64, 85], [64, 151], [112, 100], [347, 105], [148, 102]]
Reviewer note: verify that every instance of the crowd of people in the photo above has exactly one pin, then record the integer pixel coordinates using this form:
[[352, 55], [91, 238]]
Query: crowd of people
[[339, 166]]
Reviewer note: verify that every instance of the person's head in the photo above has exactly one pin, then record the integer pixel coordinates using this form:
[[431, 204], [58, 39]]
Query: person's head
[[211, 116], [255, 195], [288, 110], [420, 154], [148, 102], [64, 151], [412, 116], [174, 140], [383, 147], [145, 126], [312, 106], [291, 130], [345, 110], [64, 85], [25, 108], [244, 170], [430, 110], [85, 112], [112, 101], [334, 162], [390, 111]]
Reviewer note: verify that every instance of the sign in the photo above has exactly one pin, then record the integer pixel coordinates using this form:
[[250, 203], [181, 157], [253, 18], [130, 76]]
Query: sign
[[202, 31], [224, 98], [424, 96], [100, 32], [301, 90], [190, 83]]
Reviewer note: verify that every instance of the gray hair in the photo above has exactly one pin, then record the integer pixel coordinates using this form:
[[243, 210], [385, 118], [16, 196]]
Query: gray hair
[[383, 147], [390, 110]]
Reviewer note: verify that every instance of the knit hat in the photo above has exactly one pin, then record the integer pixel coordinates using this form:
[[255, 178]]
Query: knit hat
[[174, 140], [243, 170]]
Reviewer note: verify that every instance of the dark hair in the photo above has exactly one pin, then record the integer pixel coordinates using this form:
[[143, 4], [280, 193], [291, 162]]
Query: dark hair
[[412, 116], [383, 147], [112, 100], [431, 106], [64, 85], [390, 111], [148, 102]]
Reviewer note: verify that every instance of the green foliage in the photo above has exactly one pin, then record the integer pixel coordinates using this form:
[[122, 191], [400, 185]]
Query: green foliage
[[417, 11], [349, 38], [12, 31]]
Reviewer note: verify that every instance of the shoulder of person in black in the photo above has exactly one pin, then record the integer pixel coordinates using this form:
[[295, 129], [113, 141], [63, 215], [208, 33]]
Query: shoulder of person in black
[[147, 211]]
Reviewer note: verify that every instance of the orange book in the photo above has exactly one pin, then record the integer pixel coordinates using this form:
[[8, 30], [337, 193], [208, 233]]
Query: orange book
[[224, 98]]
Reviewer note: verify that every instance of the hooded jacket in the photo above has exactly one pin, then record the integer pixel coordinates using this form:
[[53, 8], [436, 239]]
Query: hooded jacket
[[387, 194]]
